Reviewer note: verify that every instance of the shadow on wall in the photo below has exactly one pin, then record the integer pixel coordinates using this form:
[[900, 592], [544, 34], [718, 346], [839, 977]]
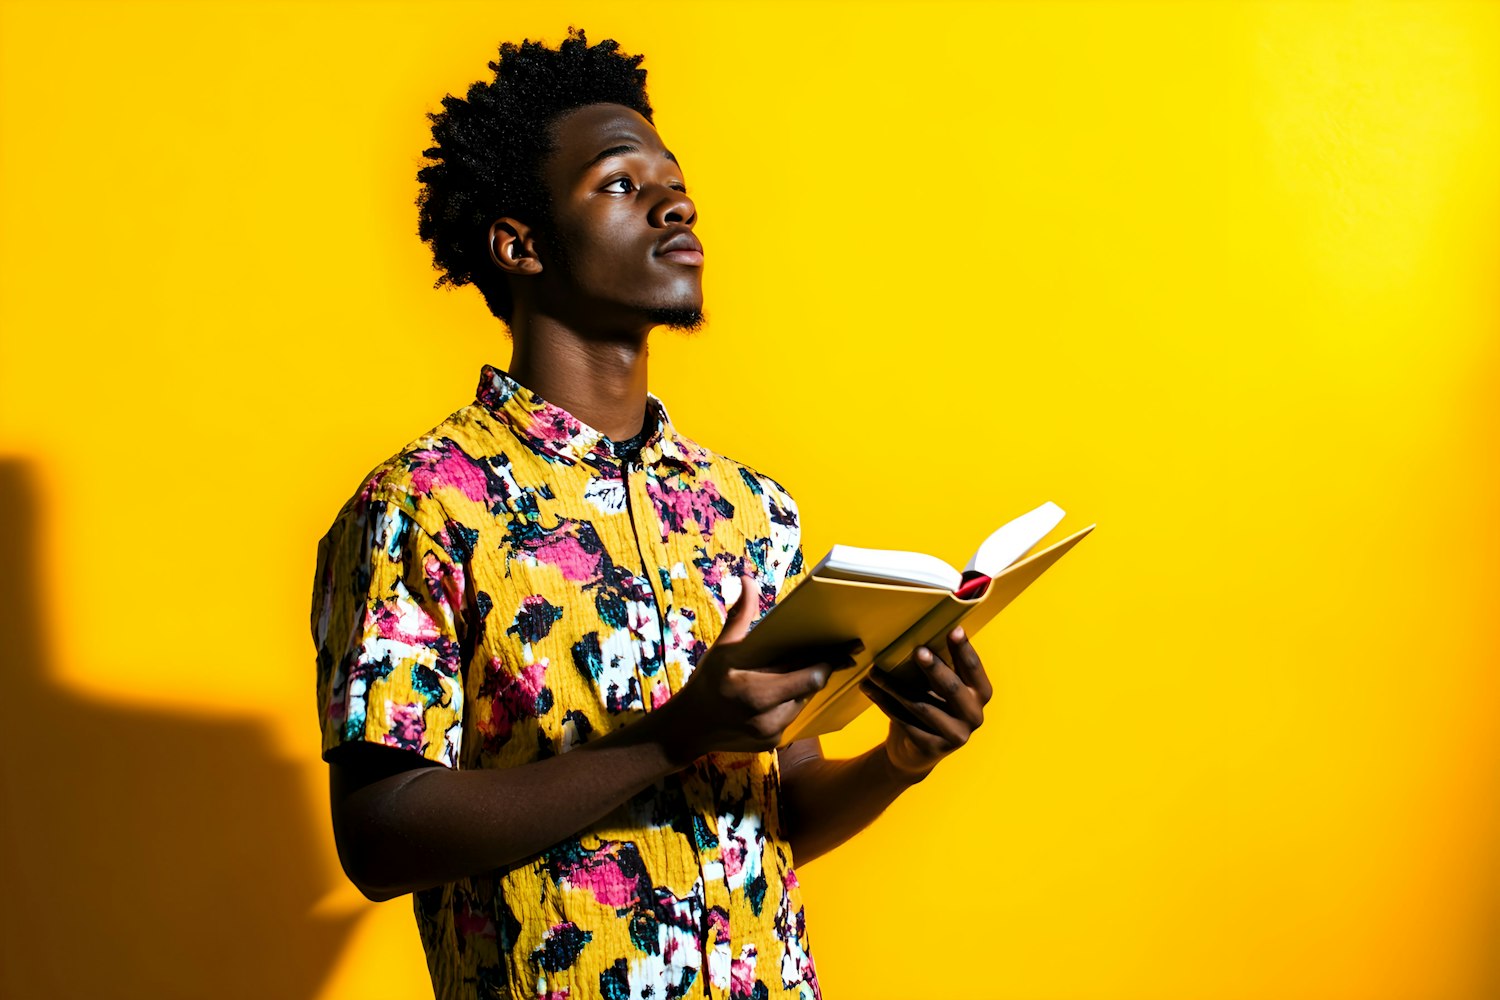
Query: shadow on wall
[[143, 853]]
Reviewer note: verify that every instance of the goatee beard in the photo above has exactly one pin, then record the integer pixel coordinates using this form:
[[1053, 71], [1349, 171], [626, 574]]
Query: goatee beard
[[684, 318]]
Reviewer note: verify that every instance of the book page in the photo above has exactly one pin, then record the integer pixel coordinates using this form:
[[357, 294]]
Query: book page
[[1013, 540]]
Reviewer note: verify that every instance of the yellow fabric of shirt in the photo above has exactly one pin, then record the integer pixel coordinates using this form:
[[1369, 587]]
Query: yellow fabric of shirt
[[506, 588]]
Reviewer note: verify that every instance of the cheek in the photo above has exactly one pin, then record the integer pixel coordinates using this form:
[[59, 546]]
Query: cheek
[[607, 255], [600, 241], [601, 261]]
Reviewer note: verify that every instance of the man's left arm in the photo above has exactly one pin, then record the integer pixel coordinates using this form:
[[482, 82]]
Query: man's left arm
[[825, 802]]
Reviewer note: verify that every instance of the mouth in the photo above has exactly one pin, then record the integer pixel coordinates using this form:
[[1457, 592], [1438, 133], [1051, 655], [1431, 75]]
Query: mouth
[[682, 248]]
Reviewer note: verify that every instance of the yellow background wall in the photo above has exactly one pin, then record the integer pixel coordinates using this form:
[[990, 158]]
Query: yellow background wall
[[1220, 277]]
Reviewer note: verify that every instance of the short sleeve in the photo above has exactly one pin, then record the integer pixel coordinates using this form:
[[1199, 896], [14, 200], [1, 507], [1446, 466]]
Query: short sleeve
[[386, 617]]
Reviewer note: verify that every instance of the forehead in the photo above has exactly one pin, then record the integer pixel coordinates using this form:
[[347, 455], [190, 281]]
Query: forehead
[[578, 136]]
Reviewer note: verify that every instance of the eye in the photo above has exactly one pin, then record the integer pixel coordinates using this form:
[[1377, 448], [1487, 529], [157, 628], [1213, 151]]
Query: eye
[[614, 188]]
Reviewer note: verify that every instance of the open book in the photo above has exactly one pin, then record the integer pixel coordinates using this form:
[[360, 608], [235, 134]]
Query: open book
[[896, 601]]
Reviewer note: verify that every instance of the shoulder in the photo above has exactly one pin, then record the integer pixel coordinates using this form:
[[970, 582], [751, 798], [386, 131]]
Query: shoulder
[[428, 476], [780, 506]]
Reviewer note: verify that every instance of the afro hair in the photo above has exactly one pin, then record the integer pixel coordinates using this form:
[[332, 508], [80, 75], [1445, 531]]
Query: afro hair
[[489, 148]]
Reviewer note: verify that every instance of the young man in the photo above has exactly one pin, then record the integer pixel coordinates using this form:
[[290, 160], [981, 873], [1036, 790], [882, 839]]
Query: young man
[[533, 708]]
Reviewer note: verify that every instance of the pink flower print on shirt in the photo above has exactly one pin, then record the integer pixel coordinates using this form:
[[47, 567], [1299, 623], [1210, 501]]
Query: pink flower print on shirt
[[488, 481], [512, 697], [405, 622], [406, 725], [552, 426], [569, 554], [742, 974], [732, 854], [612, 874], [678, 505], [572, 546], [466, 921], [445, 464]]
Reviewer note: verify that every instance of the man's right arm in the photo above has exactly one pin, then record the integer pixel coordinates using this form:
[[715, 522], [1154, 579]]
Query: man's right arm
[[403, 824]]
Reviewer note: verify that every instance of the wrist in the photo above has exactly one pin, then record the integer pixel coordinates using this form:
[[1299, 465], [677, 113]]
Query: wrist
[[666, 728], [898, 774]]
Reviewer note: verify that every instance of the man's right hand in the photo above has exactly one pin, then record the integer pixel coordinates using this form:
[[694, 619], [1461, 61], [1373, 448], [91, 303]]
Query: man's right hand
[[732, 703]]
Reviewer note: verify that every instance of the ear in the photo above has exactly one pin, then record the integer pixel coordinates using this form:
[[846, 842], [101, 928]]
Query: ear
[[513, 247]]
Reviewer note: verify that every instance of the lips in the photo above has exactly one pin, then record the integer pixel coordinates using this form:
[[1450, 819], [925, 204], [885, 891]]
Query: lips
[[683, 248]]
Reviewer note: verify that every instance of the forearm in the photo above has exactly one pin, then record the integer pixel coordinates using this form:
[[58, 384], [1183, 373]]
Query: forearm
[[832, 800], [421, 828]]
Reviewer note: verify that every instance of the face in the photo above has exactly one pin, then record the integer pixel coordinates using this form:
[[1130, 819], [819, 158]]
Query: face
[[624, 222]]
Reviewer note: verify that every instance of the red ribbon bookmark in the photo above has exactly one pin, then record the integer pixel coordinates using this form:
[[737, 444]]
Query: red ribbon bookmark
[[973, 586]]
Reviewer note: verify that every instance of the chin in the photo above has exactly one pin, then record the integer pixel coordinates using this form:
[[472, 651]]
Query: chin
[[684, 318]]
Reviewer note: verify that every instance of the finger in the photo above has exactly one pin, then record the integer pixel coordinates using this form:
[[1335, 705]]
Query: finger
[[839, 654], [888, 704], [970, 668], [777, 719], [743, 612], [931, 744], [774, 688], [961, 700], [930, 717]]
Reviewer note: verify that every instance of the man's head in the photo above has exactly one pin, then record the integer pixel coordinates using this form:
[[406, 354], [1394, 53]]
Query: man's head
[[550, 185]]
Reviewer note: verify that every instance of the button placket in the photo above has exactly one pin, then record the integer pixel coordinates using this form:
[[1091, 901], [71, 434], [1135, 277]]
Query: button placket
[[647, 529]]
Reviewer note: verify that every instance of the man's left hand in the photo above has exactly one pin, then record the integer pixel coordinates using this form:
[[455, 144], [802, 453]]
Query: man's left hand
[[925, 730]]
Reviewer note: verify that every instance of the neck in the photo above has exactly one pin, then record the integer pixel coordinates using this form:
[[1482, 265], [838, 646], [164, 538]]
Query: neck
[[601, 382]]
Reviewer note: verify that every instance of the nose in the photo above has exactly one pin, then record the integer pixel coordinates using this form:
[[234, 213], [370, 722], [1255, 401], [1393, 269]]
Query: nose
[[673, 207]]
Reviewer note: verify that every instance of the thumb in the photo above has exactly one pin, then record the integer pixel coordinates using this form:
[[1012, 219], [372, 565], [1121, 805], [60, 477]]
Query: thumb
[[742, 613]]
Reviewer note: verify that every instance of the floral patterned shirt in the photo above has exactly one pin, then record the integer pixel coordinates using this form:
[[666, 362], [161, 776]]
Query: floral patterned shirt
[[508, 587]]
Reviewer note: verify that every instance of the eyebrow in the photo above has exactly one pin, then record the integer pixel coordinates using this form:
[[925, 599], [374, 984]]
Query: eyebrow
[[622, 148]]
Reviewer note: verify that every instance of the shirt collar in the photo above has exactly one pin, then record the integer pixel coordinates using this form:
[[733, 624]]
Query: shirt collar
[[557, 435]]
